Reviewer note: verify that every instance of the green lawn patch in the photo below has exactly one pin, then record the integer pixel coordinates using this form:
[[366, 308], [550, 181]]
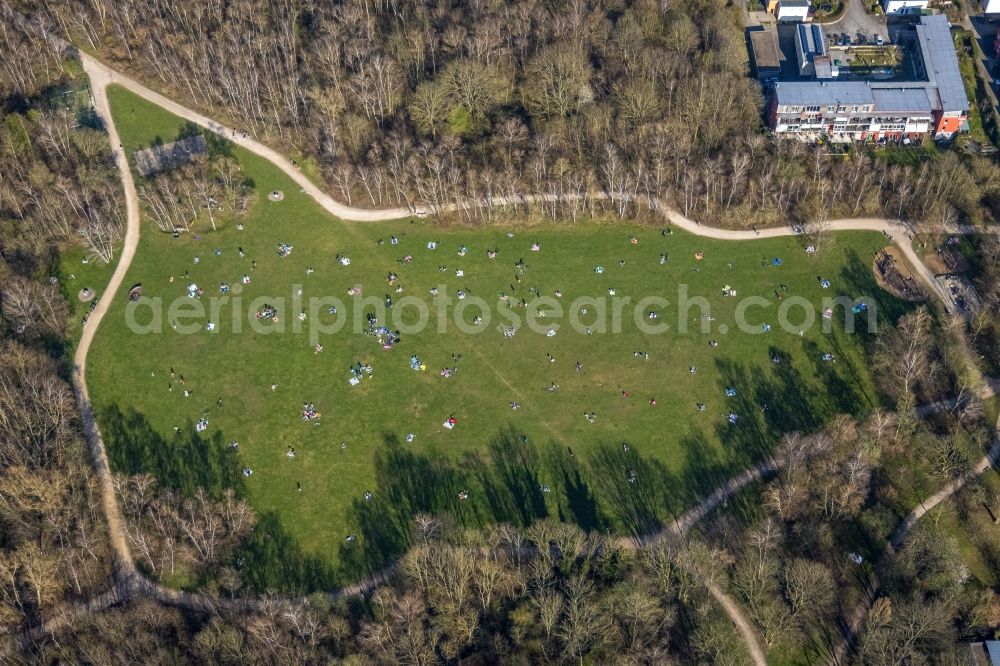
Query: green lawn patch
[[76, 272], [973, 530], [543, 459], [982, 117]]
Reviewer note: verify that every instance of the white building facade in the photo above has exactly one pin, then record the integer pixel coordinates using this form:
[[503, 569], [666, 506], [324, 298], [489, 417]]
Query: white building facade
[[880, 110], [905, 6], [792, 11]]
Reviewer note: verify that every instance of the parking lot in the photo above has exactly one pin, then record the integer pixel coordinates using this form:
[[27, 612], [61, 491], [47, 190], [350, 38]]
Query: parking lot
[[857, 23], [857, 55]]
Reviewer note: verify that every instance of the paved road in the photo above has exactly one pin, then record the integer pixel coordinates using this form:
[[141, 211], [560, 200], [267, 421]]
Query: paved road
[[985, 33], [990, 459], [854, 20]]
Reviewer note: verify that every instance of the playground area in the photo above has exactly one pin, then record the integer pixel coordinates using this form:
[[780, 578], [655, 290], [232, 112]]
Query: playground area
[[894, 275]]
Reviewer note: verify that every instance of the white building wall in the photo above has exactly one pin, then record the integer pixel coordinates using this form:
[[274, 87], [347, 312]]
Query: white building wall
[[797, 14], [991, 6], [898, 6]]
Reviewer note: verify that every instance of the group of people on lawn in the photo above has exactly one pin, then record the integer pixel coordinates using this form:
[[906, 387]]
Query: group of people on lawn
[[388, 338]]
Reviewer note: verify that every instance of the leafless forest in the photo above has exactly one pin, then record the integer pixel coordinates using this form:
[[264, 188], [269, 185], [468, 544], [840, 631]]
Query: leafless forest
[[421, 104], [405, 103]]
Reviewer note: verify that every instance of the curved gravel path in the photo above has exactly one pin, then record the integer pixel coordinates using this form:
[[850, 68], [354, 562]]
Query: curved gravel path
[[129, 580], [115, 532], [852, 627], [735, 613], [101, 75]]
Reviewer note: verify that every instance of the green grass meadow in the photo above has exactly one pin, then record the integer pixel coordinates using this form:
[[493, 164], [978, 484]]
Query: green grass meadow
[[501, 456]]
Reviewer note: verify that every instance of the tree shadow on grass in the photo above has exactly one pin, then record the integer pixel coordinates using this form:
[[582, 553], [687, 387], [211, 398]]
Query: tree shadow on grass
[[747, 505], [506, 488], [705, 469], [767, 405], [859, 282], [638, 506], [186, 462], [793, 405], [217, 145], [512, 482], [845, 392], [577, 502], [796, 401], [755, 431], [407, 483], [271, 560]]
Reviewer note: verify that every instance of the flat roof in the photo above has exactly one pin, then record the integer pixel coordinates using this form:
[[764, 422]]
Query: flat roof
[[941, 62], [823, 67], [765, 49], [823, 93], [993, 650], [902, 99], [896, 98], [811, 38], [943, 90]]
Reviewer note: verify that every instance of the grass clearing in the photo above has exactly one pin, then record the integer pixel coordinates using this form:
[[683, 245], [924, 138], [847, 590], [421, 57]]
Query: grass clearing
[[77, 272], [982, 117], [970, 524], [501, 456]]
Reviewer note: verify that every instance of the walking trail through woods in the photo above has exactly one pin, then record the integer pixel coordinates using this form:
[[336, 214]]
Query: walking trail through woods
[[130, 582]]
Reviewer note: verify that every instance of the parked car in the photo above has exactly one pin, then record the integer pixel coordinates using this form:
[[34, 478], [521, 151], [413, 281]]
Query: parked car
[[879, 41]]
